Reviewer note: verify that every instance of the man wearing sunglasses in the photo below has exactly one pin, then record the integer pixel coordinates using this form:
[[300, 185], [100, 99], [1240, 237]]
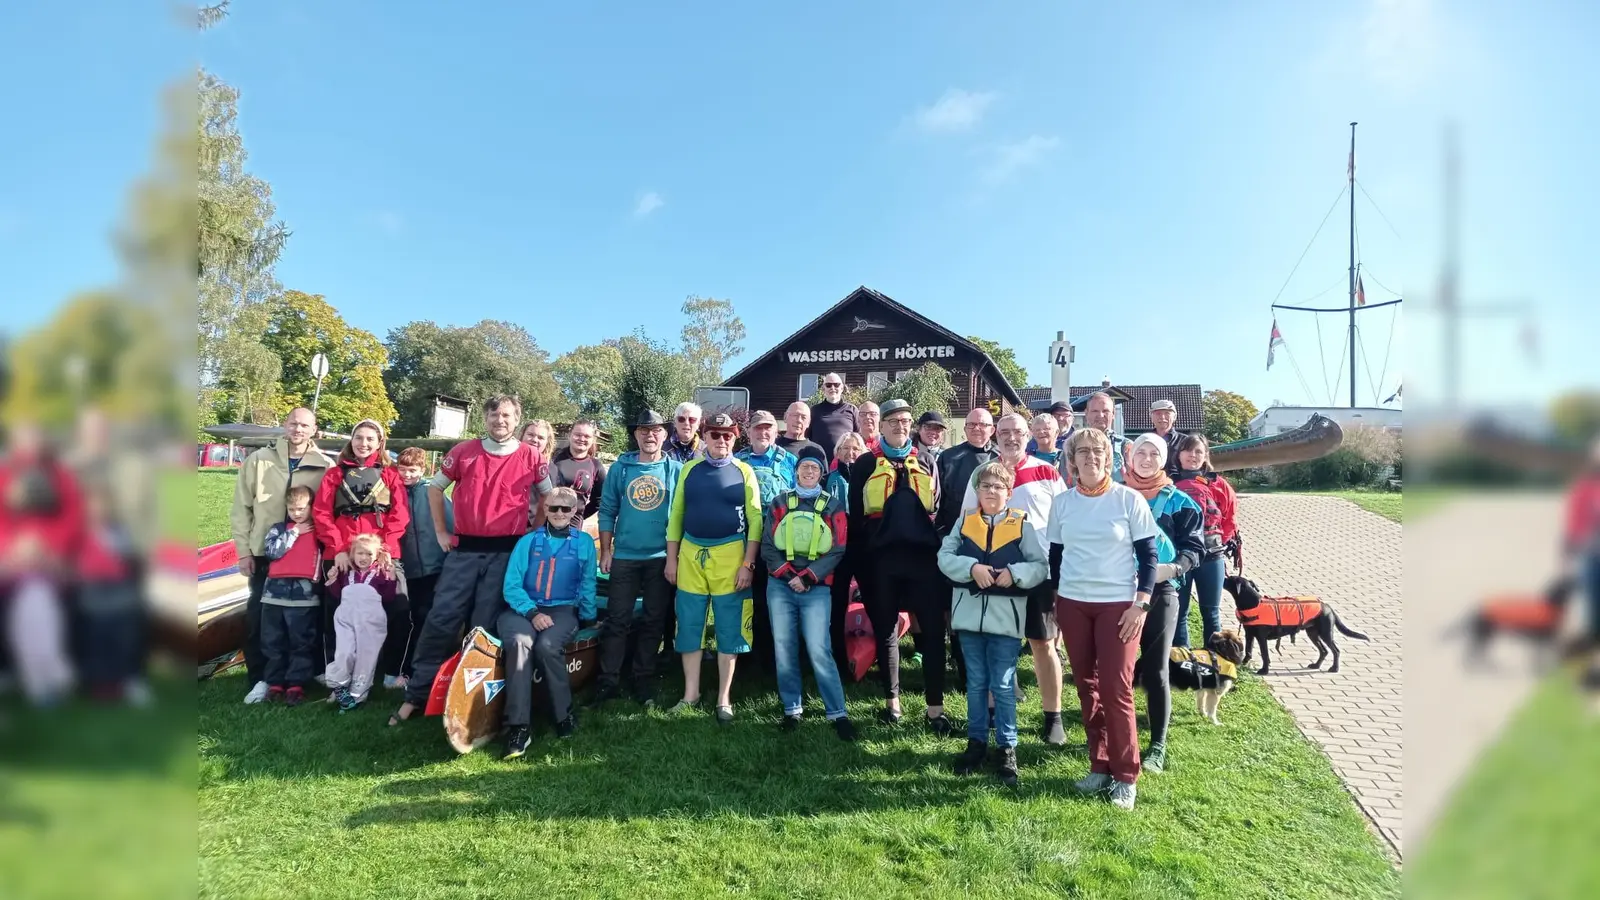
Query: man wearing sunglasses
[[833, 418], [684, 444]]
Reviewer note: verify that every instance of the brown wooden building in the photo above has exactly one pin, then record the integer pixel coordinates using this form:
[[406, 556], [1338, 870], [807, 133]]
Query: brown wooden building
[[870, 340]]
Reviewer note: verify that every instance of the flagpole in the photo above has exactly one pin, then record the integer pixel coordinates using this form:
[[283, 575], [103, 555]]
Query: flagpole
[[1352, 168]]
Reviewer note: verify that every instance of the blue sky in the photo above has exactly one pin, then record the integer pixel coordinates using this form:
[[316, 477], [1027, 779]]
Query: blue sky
[[1142, 178]]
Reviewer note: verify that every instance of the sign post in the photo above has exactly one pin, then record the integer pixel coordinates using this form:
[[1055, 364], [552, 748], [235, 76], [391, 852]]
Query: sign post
[[319, 371], [1061, 360]]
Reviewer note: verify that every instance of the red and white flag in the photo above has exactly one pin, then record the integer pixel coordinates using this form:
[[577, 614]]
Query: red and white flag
[[1274, 342], [1361, 292]]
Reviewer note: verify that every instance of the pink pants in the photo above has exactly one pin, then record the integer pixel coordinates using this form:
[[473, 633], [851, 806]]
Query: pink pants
[[1102, 669], [359, 628], [37, 625]]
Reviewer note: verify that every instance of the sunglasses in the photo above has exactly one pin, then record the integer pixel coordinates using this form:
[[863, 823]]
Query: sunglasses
[[559, 508], [832, 384], [687, 419], [720, 435]]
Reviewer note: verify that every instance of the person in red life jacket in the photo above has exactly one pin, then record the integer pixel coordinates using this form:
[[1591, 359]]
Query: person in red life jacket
[[498, 480], [576, 467], [869, 418], [802, 542], [845, 453], [1216, 500], [363, 594], [361, 494], [893, 494], [290, 605], [1582, 538], [109, 631]]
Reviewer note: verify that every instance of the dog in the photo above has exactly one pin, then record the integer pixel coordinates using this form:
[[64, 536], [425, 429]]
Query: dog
[[1269, 618], [1536, 618], [1210, 673]]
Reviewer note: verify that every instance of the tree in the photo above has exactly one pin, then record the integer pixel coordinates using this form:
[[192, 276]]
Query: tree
[[1575, 415], [302, 325], [1227, 416], [653, 377], [472, 364], [1005, 359], [926, 388], [710, 337], [590, 377], [99, 349]]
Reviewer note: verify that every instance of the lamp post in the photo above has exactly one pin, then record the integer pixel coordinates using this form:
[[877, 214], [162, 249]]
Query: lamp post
[[319, 371]]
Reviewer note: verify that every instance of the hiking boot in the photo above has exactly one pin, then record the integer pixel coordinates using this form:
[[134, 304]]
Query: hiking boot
[[257, 693], [789, 723], [888, 716], [1008, 766], [274, 694], [971, 759], [1054, 733], [294, 696], [844, 729], [517, 737], [1154, 759], [1123, 793], [939, 725], [605, 694], [1093, 783], [724, 715], [566, 727]]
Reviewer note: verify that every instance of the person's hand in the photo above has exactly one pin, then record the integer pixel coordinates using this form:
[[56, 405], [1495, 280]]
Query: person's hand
[[341, 564], [447, 541], [1166, 571], [605, 562], [247, 566], [982, 576], [302, 528], [541, 621], [742, 580], [1131, 625], [799, 585], [671, 571], [1002, 578]]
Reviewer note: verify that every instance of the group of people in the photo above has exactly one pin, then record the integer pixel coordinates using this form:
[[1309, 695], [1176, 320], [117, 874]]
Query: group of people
[[1029, 533]]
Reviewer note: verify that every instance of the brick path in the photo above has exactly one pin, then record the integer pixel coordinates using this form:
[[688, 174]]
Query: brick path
[[1352, 559]]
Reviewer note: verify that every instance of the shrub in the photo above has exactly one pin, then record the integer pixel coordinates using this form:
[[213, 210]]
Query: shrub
[[1362, 460]]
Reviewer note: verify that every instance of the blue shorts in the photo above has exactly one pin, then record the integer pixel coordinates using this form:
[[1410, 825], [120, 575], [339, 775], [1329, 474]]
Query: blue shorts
[[733, 618]]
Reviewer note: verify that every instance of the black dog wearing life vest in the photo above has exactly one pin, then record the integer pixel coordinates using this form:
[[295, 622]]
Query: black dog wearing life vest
[[1268, 618], [1537, 618], [1210, 673]]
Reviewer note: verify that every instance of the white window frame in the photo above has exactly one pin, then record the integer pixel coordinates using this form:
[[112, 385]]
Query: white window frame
[[877, 381], [816, 381]]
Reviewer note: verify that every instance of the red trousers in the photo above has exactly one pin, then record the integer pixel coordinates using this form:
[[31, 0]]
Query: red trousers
[[1102, 669]]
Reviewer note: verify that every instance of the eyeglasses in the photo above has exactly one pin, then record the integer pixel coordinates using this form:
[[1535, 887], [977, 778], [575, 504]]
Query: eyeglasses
[[687, 419], [1090, 453], [559, 508], [978, 425], [993, 486], [898, 420]]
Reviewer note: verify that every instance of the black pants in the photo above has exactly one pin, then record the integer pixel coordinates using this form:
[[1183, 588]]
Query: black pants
[[109, 633], [469, 594], [631, 578], [419, 596], [761, 654], [289, 641], [394, 658], [912, 586], [1151, 670], [956, 654], [255, 661]]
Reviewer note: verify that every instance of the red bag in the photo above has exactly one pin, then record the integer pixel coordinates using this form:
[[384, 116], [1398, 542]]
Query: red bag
[[861, 647], [441, 686]]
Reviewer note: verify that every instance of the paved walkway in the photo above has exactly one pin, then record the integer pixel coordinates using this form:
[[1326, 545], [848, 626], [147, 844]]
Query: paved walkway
[[1296, 544]]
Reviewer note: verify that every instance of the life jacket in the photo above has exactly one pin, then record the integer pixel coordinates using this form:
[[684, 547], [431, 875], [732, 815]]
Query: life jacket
[[1201, 491], [770, 477], [362, 490], [304, 559], [1203, 663], [804, 532], [885, 480], [997, 546], [33, 492], [557, 578], [1282, 612]]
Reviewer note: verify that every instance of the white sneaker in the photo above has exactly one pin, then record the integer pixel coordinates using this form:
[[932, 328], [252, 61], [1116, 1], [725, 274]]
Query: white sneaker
[[136, 693], [1123, 793], [1095, 783], [257, 694]]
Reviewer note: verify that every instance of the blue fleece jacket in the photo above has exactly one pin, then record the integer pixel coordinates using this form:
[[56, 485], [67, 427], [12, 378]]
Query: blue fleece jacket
[[524, 558], [634, 503]]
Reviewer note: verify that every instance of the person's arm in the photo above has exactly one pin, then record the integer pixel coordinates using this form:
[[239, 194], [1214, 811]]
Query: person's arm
[[516, 571], [953, 565], [242, 516], [753, 517], [610, 504], [322, 511], [853, 492], [777, 565], [1227, 504], [542, 485], [586, 590], [823, 566], [1145, 555], [280, 540], [675, 523], [1188, 536], [1035, 565], [443, 531]]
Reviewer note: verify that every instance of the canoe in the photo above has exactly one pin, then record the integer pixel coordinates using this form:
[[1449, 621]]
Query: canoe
[[1316, 438]]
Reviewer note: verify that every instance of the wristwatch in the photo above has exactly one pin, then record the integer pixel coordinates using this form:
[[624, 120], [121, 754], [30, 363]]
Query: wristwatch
[[749, 565], [1142, 605]]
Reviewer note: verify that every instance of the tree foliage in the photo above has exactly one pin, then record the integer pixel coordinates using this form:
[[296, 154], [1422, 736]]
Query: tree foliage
[[711, 336], [469, 363], [590, 377], [1005, 359], [96, 350], [1363, 459], [1575, 415], [299, 326], [1227, 416], [652, 377], [926, 388]]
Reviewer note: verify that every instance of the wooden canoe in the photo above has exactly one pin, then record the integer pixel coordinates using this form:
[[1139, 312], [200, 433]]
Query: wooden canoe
[[1316, 438]]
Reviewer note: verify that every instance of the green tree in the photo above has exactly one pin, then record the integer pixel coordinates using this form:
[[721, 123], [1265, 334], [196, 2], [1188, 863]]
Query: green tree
[[1227, 416], [710, 337], [300, 326], [590, 377], [653, 376], [926, 388], [1005, 359], [1575, 415], [98, 350], [471, 363]]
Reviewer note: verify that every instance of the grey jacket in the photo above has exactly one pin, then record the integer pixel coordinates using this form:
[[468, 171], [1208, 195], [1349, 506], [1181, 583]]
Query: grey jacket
[[420, 553]]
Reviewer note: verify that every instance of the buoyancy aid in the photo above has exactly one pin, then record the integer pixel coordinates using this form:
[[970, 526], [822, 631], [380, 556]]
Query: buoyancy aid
[[804, 532], [1203, 663], [33, 492], [996, 546], [1282, 612], [1204, 491], [552, 577], [1166, 551], [304, 559], [362, 490], [885, 480]]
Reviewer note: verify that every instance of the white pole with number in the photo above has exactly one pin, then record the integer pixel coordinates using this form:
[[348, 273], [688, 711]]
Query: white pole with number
[[319, 371]]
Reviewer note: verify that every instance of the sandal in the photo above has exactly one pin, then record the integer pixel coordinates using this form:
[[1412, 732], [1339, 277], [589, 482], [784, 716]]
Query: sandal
[[403, 714]]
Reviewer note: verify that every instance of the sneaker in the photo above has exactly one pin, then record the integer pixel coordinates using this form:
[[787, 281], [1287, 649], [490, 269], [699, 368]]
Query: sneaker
[[789, 723], [939, 725], [1094, 783], [844, 729], [1154, 759], [971, 759], [724, 715], [274, 694], [257, 693], [517, 737], [888, 716], [566, 727], [1054, 733], [294, 696], [1123, 794], [604, 694], [342, 698], [684, 706], [1008, 766]]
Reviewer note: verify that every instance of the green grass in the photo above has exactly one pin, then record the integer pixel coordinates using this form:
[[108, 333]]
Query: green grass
[[1384, 503], [1524, 822], [213, 501], [306, 802]]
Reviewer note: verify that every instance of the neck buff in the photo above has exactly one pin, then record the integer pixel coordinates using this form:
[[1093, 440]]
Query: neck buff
[[718, 463], [559, 532], [896, 452], [809, 493], [1051, 458], [1149, 487], [500, 448], [1097, 490]]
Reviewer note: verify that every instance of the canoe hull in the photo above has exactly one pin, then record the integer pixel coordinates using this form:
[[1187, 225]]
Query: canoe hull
[[1313, 440]]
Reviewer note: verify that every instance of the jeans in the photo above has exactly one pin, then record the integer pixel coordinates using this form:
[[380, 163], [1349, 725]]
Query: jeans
[[991, 669], [631, 578], [804, 616], [1153, 672], [1209, 577]]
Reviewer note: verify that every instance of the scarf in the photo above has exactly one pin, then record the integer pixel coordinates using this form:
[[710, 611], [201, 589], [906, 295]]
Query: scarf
[[719, 463], [808, 493], [558, 532], [1097, 490], [1051, 458], [900, 453], [1149, 487]]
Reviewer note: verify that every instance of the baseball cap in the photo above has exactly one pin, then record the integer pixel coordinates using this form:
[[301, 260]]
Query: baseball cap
[[720, 422], [1163, 404], [762, 417], [1060, 406], [890, 407], [931, 417]]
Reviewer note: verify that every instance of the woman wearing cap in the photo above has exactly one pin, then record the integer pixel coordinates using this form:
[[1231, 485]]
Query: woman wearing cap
[[713, 535], [1216, 500], [1179, 549], [802, 542], [1103, 555], [892, 500]]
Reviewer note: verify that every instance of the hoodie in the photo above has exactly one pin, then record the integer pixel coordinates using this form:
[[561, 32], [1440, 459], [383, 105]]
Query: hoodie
[[634, 502]]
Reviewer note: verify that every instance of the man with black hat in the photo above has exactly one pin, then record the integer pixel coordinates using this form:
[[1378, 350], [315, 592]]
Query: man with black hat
[[930, 436], [634, 503], [1163, 415], [1061, 411]]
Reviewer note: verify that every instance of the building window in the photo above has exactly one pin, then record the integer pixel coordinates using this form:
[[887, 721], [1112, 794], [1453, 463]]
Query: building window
[[808, 386], [877, 381], [901, 374]]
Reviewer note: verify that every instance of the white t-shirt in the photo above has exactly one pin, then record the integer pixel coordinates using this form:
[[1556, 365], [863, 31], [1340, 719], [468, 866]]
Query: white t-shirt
[[1037, 484], [1096, 535]]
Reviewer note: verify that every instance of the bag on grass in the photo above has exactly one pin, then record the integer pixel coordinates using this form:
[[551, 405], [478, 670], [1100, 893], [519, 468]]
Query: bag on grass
[[441, 686]]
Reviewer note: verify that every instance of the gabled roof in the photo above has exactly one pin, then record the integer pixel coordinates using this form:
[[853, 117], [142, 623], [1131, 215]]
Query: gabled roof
[[1186, 397], [991, 373]]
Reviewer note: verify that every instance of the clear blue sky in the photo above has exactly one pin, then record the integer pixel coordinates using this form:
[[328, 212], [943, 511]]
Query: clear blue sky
[[1143, 179]]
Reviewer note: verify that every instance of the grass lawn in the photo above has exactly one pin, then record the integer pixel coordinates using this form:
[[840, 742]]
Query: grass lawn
[[306, 802], [1523, 824], [1384, 503], [212, 493]]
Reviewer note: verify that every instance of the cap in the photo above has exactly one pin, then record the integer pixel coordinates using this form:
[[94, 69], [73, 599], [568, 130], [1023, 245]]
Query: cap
[[761, 417], [890, 407], [931, 417], [1163, 404], [648, 417], [813, 453], [720, 422], [1060, 406]]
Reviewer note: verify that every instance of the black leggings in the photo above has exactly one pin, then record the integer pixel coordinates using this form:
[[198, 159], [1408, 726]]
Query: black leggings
[[1151, 670], [916, 590]]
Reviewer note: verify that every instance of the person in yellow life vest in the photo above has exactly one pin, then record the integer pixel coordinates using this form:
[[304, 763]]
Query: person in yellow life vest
[[713, 534], [893, 495], [802, 542]]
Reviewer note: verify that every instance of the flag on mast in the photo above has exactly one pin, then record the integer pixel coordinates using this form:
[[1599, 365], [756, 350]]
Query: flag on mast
[[1274, 342], [1396, 395], [1361, 291]]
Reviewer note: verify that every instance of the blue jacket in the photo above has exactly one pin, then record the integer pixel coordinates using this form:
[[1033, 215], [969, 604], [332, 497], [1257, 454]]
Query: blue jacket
[[634, 503], [420, 553], [563, 573], [1181, 520], [774, 471]]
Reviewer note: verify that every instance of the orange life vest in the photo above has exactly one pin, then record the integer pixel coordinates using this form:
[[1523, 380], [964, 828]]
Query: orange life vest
[[1523, 614], [1282, 612]]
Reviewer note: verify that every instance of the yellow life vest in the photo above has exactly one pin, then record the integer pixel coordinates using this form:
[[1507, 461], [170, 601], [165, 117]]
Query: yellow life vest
[[809, 525], [1205, 659], [996, 546], [881, 484]]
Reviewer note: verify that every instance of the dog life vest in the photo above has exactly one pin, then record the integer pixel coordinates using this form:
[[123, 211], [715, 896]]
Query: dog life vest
[[1282, 612], [996, 546], [885, 478], [804, 532], [362, 491], [1203, 663], [556, 577]]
